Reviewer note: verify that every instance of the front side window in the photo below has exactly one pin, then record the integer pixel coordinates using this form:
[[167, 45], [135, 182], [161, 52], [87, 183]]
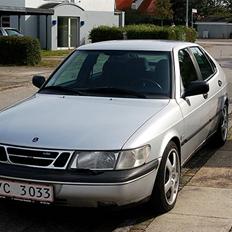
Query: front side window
[[203, 63], [115, 73], [187, 69]]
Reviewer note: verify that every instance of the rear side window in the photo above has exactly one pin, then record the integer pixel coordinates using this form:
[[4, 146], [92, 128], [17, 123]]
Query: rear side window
[[203, 63], [187, 69]]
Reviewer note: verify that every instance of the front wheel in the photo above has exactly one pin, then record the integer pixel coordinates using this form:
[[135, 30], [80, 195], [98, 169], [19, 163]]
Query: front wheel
[[167, 181]]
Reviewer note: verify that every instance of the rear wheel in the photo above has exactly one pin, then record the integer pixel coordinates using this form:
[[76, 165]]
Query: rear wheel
[[167, 181], [222, 131]]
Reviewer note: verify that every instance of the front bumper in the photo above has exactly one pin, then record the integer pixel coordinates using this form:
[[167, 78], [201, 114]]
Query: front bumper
[[90, 189]]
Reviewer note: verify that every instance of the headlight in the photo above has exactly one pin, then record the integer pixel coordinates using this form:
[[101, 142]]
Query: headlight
[[133, 158], [97, 160]]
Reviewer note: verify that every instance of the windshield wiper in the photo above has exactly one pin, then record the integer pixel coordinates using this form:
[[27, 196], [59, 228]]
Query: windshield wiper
[[114, 91], [61, 89]]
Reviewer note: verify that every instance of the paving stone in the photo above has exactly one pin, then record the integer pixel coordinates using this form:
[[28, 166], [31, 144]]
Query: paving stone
[[10, 96], [182, 223], [205, 202], [216, 173], [221, 159], [228, 145], [213, 177]]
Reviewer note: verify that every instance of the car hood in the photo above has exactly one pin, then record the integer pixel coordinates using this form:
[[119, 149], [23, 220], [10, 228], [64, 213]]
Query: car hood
[[76, 122]]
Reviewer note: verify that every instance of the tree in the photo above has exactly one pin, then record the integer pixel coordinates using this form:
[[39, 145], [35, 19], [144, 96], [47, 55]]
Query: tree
[[178, 7], [163, 10], [204, 7]]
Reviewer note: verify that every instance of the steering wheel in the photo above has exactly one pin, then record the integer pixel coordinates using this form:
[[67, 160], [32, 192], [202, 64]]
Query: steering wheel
[[148, 83]]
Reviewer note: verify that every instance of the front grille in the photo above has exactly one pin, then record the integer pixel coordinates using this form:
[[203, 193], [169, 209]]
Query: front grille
[[3, 156], [54, 159]]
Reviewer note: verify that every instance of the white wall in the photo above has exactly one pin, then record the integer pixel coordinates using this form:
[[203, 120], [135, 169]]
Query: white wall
[[20, 3], [64, 10], [96, 5], [88, 5], [89, 18], [38, 3]]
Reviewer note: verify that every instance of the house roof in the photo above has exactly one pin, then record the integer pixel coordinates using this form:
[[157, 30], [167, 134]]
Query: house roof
[[54, 5], [145, 6], [49, 5], [14, 10]]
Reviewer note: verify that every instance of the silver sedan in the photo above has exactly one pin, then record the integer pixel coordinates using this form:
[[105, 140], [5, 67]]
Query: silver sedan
[[113, 125]]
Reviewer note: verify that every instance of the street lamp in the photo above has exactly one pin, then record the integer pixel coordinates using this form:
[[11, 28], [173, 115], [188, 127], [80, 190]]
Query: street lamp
[[187, 13]]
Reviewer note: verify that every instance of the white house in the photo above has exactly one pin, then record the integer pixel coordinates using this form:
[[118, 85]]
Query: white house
[[59, 24]]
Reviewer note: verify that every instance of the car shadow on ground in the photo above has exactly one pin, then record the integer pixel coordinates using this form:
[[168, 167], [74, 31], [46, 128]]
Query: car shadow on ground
[[32, 217]]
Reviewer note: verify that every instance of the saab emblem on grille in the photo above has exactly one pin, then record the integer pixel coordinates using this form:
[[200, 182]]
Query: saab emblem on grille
[[36, 139]]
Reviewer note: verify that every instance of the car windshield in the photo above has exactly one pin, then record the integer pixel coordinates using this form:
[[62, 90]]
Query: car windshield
[[138, 74]]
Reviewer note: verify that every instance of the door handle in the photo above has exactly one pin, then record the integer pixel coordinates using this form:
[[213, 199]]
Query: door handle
[[205, 95], [220, 83]]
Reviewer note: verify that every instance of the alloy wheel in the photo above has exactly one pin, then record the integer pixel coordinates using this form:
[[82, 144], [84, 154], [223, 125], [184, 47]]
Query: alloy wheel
[[172, 176], [224, 123]]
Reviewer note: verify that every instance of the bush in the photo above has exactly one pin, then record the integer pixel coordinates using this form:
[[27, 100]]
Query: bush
[[191, 34], [143, 31], [104, 33], [19, 50], [180, 33]]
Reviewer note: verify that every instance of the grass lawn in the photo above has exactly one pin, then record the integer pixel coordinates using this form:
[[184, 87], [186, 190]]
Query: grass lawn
[[51, 59], [46, 53]]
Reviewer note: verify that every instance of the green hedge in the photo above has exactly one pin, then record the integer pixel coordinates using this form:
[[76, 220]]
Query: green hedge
[[16, 50], [148, 32], [104, 33], [143, 31]]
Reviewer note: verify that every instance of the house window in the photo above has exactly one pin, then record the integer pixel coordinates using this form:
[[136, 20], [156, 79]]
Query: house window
[[5, 21]]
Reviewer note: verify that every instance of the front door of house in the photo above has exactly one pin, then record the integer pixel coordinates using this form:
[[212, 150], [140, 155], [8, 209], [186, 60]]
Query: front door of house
[[68, 32]]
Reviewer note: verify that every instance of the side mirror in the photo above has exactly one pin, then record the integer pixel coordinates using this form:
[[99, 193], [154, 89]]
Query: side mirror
[[38, 81], [196, 88]]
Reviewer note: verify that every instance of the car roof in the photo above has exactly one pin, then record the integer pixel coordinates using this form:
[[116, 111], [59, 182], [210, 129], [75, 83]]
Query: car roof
[[137, 45], [10, 28]]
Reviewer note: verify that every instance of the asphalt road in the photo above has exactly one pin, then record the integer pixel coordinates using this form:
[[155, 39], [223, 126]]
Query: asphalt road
[[24, 217]]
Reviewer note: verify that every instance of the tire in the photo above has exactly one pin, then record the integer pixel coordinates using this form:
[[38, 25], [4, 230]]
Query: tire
[[167, 182], [222, 130]]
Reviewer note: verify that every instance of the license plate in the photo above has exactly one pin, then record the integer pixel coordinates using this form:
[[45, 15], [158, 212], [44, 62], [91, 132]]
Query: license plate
[[26, 191]]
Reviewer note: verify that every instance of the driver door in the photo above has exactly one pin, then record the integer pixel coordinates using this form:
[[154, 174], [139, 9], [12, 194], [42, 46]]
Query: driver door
[[194, 108]]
